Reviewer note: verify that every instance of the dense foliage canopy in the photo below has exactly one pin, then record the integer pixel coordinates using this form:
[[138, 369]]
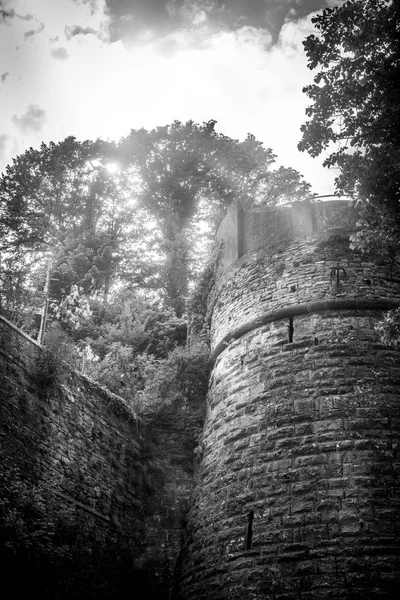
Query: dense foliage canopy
[[123, 231], [354, 117], [139, 213]]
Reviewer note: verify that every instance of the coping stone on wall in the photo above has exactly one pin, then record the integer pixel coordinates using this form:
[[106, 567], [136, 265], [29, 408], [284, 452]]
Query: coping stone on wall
[[302, 219], [246, 230]]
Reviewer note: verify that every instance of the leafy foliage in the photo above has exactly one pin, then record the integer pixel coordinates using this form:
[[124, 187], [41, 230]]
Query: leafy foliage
[[19, 300], [186, 173], [58, 351], [356, 99], [255, 182], [60, 203], [73, 309], [356, 96], [354, 116], [181, 378], [389, 328], [132, 319], [126, 338], [126, 244], [146, 222], [200, 299]]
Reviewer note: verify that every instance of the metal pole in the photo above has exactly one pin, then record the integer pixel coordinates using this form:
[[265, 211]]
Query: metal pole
[[188, 332], [43, 320]]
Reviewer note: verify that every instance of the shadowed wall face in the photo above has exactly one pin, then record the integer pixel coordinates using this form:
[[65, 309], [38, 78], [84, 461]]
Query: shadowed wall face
[[73, 470], [89, 506], [299, 485]]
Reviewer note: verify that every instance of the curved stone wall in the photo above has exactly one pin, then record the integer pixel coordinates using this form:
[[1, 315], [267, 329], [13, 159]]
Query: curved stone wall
[[298, 482], [308, 270]]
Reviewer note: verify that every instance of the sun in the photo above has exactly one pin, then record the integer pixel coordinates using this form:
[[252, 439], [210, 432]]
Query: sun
[[112, 168]]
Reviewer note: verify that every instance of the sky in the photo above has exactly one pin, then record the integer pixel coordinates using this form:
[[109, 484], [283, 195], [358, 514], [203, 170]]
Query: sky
[[99, 68]]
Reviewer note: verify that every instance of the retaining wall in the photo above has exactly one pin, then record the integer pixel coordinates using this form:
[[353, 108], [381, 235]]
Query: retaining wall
[[98, 495]]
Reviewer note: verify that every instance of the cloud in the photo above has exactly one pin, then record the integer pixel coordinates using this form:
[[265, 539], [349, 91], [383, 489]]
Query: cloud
[[59, 53], [74, 30], [192, 12], [32, 120], [101, 32], [148, 19], [33, 32], [7, 13], [4, 76], [3, 144], [25, 17], [93, 4]]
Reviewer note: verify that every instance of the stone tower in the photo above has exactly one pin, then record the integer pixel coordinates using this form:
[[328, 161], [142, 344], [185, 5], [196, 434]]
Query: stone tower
[[298, 493]]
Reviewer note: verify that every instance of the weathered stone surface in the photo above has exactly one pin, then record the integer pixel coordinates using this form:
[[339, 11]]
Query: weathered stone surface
[[302, 430], [127, 483], [298, 479]]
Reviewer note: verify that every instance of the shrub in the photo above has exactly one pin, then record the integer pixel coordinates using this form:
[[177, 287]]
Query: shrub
[[58, 350]]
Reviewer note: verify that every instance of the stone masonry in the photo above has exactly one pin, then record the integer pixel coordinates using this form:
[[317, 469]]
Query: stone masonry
[[297, 480], [298, 485], [99, 468]]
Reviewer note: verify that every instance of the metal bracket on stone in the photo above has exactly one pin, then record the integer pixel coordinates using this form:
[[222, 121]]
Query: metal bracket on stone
[[335, 274]]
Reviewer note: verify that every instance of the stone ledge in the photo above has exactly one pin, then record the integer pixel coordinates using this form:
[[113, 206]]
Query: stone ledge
[[19, 331], [296, 310]]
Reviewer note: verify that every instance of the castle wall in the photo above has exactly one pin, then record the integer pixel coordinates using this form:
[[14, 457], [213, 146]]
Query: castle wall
[[298, 485], [295, 277], [84, 484]]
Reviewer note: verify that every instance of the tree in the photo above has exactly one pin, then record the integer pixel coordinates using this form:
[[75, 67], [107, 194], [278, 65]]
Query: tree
[[176, 168], [61, 203], [356, 105], [187, 173], [129, 339], [14, 294], [355, 115], [147, 223], [255, 182]]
